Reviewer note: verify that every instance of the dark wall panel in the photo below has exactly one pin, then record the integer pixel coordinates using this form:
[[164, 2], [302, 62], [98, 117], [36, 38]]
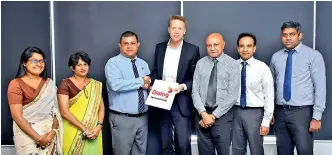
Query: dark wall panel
[[95, 27], [323, 45], [23, 24], [263, 19]]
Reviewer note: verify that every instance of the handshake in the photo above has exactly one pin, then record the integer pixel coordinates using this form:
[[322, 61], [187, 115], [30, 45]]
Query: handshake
[[147, 82]]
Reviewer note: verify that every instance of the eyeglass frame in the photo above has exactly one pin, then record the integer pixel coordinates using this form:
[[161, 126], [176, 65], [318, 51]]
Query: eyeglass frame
[[35, 61]]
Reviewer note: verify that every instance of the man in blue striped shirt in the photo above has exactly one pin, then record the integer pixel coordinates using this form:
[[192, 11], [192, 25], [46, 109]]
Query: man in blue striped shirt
[[300, 81], [126, 85]]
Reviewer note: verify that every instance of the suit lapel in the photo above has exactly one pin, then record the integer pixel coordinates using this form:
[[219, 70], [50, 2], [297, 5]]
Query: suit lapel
[[182, 59], [162, 58]]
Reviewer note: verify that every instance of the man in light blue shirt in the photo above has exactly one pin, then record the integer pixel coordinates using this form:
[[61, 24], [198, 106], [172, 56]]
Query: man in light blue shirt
[[300, 81], [126, 85]]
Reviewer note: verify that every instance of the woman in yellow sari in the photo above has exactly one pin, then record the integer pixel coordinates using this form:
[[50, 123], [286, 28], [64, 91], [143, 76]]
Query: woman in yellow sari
[[82, 107], [33, 105]]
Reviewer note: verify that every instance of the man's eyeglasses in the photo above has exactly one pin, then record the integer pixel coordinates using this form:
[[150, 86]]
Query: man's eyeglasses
[[213, 45], [35, 61]]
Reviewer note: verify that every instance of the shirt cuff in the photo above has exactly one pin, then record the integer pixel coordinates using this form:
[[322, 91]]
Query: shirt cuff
[[317, 115], [184, 87], [216, 114], [200, 110], [141, 80], [266, 123]]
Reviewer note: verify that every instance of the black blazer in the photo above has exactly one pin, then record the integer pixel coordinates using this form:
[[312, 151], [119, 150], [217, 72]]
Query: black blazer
[[187, 64]]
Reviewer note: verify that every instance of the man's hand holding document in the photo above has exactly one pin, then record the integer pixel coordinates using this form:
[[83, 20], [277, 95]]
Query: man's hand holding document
[[162, 94]]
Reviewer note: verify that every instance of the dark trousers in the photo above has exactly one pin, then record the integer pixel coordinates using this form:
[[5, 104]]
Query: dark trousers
[[292, 129], [246, 127], [175, 124], [217, 137]]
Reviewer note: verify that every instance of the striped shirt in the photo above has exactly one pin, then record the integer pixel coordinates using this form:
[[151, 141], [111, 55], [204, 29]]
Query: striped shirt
[[228, 84], [308, 78]]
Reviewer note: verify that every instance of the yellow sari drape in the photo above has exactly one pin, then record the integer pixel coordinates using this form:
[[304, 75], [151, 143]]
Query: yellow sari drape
[[84, 106]]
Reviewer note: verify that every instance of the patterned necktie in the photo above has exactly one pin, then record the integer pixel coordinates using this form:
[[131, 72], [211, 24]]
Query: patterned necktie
[[141, 106], [288, 77], [212, 89], [243, 98]]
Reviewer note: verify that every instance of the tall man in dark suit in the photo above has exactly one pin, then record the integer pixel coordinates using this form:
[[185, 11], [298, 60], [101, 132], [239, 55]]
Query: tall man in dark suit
[[175, 61]]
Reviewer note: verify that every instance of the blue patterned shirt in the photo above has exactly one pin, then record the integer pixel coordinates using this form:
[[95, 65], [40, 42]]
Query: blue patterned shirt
[[308, 78]]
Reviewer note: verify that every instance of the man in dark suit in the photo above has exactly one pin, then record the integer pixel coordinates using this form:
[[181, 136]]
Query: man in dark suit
[[175, 61]]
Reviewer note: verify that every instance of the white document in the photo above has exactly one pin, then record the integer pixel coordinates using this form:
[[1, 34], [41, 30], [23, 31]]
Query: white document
[[162, 94]]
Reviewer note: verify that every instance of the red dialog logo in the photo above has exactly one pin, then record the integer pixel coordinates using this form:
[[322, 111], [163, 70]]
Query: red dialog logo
[[170, 89]]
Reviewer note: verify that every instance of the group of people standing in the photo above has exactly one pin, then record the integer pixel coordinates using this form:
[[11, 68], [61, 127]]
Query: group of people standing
[[230, 100]]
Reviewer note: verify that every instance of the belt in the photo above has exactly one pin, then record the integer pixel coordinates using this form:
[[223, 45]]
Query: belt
[[288, 107], [127, 114], [248, 107]]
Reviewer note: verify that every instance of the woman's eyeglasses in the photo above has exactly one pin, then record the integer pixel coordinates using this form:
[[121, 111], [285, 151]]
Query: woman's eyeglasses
[[35, 61]]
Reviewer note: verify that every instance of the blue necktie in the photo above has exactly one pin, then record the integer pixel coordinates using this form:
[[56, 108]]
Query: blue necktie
[[243, 98], [288, 77], [140, 90]]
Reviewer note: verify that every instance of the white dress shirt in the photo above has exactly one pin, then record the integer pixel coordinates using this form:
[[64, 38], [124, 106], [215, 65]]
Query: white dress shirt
[[260, 88], [171, 63]]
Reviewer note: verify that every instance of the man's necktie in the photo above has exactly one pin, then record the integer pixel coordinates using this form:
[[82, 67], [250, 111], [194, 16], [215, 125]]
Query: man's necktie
[[243, 97], [288, 77], [212, 89], [141, 106]]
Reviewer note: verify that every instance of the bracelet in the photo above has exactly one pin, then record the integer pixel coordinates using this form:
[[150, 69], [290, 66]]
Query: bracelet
[[101, 124], [55, 130], [39, 139], [84, 131]]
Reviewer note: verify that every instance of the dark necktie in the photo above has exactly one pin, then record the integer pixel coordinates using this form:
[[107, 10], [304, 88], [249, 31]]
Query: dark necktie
[[140, 90], [288, 77], [243, 98], [212, 89]]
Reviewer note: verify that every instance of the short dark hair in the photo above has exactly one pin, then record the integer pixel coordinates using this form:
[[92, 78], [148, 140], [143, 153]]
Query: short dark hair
[[25, 56], [291, 24], [246, 35], [128, 34], [73, 59]]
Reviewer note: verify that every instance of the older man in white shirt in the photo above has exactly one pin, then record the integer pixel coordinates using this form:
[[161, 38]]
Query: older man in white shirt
[[254, 108]]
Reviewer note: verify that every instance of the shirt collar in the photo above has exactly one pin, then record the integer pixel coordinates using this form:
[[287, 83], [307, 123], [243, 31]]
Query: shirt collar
[[126, 58], [297, 48], [250, 61], [219, 58], [169, 44]]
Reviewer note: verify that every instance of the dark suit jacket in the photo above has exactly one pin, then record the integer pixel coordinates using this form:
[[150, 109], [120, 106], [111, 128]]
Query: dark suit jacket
[[187, 63]]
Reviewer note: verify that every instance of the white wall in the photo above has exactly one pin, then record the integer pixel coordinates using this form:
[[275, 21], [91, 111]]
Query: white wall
[[321, 147]]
